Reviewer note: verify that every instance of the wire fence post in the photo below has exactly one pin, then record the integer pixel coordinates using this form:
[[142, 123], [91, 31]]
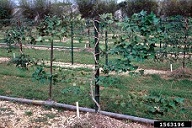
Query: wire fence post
[[51, 71], [161, 26], [96, 30], [106, 48], [88, 31], [72, 34]]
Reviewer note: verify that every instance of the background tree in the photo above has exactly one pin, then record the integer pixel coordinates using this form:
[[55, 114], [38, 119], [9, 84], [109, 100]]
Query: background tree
[[6, 7], [33, 8], [130, 7], [60, 9], [177, 7], [92, 8]]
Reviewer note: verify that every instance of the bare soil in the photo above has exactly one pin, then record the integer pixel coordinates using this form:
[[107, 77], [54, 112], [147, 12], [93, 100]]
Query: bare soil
[[4, 59], [68, 65], [15, 115]]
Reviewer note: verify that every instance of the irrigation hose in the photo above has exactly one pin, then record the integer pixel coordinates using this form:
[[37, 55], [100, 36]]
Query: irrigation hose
[[72, 107]]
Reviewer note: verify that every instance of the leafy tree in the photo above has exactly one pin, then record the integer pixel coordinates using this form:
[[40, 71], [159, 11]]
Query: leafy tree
[[92, 8], [43, 8], [60, 9], [6, 7], [135, 6], [177, 7], [34, 8]]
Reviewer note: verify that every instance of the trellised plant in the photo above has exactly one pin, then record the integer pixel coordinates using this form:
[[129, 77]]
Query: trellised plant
[[52, 27], [176, 44], [136, 42], [18, 35]]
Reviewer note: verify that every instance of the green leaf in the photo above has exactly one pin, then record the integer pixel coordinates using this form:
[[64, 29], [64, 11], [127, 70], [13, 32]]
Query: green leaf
[[151, 109], [102, 47], [123, 104], [172, 104], [39, 38], [179, 100]]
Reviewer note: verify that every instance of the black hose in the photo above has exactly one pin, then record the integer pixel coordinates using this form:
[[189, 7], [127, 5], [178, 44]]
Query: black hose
[[72, 107]]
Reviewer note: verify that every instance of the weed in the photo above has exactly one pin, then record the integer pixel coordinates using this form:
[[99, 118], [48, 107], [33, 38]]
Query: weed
[[6, 111], [40, 120], [2, 92], [50, 115], [28, 113], [161, 104]]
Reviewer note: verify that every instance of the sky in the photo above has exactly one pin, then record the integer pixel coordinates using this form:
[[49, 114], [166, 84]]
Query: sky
[[118, 1]]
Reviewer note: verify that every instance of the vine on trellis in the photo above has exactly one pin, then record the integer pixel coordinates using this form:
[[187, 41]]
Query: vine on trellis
[[176, 42], [136, 42]]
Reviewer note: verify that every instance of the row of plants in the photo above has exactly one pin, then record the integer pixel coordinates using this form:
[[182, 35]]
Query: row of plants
[[147, 36], [171, 38], [176, 42]]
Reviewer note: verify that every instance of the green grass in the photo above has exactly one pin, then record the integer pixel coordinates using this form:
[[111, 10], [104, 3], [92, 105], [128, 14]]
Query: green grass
[[126, 97], [121, 94], [63, 44], [161, 65], [85, 57], [82, 57]]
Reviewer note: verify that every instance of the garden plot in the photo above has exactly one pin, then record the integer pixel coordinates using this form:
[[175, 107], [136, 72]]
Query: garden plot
[[148, 96]]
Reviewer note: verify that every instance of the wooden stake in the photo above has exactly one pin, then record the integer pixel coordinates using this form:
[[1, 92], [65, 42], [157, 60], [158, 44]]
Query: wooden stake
[[77, 108], [171, 66], [13, 55]]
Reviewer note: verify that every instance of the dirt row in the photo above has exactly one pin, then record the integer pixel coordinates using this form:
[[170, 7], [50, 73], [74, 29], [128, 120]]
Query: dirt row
[[69, 65]]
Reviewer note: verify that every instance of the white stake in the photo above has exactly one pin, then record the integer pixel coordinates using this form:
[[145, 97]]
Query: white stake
[[13, 55], [77, 107], [171, 66]]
